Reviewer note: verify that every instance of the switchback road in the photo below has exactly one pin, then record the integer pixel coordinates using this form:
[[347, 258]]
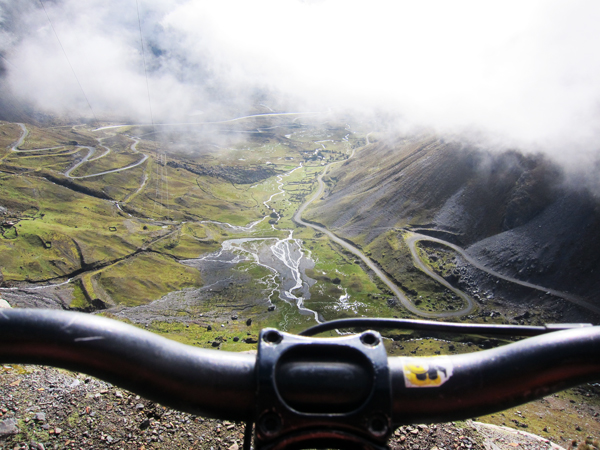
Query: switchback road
[[470, 305]]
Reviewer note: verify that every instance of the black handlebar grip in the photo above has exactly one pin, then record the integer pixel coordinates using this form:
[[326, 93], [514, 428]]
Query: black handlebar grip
[[446, 388], [200, 381]]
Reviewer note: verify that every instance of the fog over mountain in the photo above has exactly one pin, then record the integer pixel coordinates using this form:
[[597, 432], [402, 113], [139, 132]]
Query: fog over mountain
[[507, 74]]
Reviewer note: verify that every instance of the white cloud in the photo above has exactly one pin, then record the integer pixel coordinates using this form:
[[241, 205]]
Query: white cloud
[[523, 73]]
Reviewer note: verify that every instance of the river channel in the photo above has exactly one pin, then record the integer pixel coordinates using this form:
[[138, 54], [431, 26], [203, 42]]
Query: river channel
[[226, 272], [284, 258]]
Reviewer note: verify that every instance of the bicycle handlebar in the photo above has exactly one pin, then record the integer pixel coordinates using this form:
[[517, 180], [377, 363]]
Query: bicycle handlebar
[[494, 380], [198, 381], [224, 385]]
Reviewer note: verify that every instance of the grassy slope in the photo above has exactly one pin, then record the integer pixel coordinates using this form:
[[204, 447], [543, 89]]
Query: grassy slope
[[96, 227], [147, 276], [108, 162], [9, 134], [62, 231]]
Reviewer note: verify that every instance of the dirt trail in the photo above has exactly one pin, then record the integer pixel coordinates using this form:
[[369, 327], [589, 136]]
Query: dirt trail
[[412, 238], [382, 276], [120, 169]]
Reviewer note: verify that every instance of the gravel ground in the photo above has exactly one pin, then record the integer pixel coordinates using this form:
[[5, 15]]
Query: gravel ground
[[504, 438], [45, 408]]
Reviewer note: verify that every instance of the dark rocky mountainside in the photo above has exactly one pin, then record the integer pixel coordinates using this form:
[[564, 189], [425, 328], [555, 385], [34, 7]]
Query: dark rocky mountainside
[[514, 212], [238, 175]]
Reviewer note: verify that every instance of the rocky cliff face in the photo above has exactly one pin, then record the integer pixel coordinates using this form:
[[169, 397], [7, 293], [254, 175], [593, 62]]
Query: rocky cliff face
[[512, 211]]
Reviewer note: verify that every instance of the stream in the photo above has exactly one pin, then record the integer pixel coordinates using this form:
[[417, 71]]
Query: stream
[[284, 258]]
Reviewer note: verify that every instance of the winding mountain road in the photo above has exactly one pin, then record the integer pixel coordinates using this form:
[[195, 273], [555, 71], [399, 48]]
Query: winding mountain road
[[470, 305], [411, 239], [208, 123], [87, 158], [91, 151], [15, 147], [120, 169]]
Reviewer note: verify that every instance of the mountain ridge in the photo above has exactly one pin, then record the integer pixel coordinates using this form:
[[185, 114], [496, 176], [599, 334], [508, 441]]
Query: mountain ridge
[[495, 204]]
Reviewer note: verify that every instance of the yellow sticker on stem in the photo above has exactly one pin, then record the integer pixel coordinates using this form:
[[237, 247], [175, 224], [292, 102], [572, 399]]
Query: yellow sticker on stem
[[426, 372]]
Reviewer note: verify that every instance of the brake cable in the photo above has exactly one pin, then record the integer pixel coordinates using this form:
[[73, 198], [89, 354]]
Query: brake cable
[[441, 327]]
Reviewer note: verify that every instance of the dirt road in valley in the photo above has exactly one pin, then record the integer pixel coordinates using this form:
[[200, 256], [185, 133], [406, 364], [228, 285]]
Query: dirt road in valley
[[412, 238], [470, 305], [120, 169]]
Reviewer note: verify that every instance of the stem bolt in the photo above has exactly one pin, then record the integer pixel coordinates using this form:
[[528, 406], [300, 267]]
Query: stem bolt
[[370, 339], [270, 424], [378, 425], [273, 337]]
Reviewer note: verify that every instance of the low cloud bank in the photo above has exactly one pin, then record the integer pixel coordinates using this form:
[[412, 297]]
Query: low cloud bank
[[510, 74]]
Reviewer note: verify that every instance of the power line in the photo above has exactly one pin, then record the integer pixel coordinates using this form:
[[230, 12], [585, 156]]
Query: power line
[[162, 181], [2, 56], [167, 181], [67, 58], [157, 183], [144, 58]]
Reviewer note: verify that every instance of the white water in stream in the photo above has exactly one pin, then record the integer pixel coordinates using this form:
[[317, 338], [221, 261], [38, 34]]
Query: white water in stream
[[285, 258]]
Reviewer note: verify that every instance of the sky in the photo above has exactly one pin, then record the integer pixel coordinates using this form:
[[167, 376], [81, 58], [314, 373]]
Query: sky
[[518, 74]]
